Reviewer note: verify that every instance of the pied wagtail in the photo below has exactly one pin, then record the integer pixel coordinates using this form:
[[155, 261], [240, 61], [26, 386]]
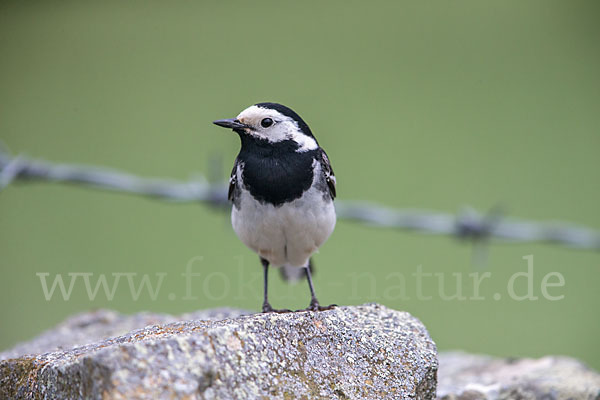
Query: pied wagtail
[[282, 188]]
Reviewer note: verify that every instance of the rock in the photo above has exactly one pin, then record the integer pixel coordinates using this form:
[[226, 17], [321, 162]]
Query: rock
[[362, 352], [95, 326], [477, 377]]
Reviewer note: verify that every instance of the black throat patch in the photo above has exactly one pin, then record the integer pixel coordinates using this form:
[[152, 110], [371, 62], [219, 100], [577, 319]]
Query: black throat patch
[[275, 173]]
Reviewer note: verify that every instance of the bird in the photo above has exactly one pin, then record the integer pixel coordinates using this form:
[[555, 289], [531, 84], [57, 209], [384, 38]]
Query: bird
[[282, 188]]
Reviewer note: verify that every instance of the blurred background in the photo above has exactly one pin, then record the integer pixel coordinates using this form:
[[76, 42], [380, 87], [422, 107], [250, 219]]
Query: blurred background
[[433, 105]]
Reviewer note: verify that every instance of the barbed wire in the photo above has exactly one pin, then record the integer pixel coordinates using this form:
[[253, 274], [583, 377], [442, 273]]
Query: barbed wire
[[467, 224]]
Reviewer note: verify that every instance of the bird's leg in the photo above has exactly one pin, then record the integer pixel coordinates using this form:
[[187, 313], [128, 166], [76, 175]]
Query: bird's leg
[[314, 303], [266, 307]]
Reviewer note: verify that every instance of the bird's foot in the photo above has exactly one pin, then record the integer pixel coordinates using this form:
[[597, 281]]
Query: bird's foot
[[266, 308], [315, 306]]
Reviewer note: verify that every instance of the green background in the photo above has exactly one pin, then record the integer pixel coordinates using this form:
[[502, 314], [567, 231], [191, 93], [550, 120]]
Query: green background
[[432, 105]]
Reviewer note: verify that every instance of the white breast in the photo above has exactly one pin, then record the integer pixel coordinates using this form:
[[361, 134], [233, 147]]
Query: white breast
[[288, 234]]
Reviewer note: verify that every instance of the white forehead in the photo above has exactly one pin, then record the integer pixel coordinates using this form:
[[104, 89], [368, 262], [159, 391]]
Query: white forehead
[[255, 113]]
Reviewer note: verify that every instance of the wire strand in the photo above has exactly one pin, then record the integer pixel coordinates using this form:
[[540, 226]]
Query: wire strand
[[468, 224]]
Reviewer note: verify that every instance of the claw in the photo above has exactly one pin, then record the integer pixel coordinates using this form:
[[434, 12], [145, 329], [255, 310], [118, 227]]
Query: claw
[[266, 308], [315, 306]]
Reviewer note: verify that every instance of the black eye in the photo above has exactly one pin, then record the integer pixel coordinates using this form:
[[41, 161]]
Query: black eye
[[266, 122]]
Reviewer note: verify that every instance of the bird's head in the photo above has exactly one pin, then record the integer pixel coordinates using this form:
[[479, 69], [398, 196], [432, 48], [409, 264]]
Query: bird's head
[[272, 123]]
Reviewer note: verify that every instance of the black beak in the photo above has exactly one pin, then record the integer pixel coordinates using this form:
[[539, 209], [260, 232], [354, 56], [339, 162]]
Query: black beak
[[230, 123]]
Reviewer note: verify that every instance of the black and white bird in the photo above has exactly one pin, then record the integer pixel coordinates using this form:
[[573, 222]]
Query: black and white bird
[[282, 187]]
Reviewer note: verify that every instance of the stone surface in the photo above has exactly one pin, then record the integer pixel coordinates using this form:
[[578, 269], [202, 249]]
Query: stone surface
[[477, 377], [94, 326], [363, 352]]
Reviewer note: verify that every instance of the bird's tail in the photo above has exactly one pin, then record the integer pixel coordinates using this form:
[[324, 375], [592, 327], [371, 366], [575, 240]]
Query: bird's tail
[[294, 274]]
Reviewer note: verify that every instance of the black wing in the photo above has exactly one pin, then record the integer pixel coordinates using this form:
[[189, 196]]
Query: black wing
[[328, 171], [233, 182]]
